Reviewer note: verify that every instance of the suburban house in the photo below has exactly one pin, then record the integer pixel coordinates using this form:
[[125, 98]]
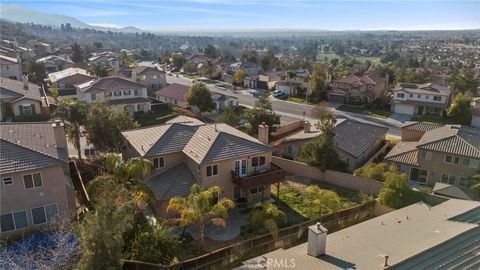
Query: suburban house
[[118, 92], [106, 59], [67, 79], [152, 78], [176, 94], [298, 85], [196, 59], [355, 142], [19, 98], [358, 89], [221, 66], [250, 68], [10, 67], [431, 153], [54, 63], [419, 236], [251, 81], [267, 80], [186, 151], [36, 186], [420, 99]]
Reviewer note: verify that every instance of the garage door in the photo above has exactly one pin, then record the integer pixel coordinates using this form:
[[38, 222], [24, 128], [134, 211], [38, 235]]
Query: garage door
[[336, 98], [404, 109]]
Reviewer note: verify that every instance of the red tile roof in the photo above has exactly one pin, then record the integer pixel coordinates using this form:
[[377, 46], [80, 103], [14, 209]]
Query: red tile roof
[[175, 91]]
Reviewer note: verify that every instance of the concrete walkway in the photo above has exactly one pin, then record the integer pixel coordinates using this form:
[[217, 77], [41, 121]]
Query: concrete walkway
[[234, 222]]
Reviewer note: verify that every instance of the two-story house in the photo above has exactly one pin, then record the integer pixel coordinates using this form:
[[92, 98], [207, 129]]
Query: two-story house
[[299, 84], [355, 142], [430, 153], [106, 59], [420, 99], [118, 92], [35, 178], [358, 89], [152, 78], [67, 79], [10, 67], [19, 98], [186, 151], [54, 63]]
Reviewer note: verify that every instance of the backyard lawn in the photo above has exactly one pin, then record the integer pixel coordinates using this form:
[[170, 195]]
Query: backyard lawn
[[372, 112], [293, 199]]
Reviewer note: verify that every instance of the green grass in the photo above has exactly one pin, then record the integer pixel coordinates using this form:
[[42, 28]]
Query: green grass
[[293, 200], [299, 100], [371, 112]]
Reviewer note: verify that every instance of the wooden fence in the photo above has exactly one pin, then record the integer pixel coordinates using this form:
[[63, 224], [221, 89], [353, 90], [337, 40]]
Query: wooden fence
[[233, 255]]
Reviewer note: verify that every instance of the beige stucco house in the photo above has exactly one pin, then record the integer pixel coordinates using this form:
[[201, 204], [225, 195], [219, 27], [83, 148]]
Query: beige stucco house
[[355, 142], [10, 67], [67, 79], [421, 99], [358, 89], [430, 153], [36, 186], [19, 99], [119, 92], [186, 151]]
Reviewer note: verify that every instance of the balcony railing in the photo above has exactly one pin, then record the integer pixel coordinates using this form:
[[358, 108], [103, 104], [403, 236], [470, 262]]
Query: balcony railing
[[274, 175]]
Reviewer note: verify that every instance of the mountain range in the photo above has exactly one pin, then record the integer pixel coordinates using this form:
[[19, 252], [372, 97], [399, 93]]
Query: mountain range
[[21, 14]]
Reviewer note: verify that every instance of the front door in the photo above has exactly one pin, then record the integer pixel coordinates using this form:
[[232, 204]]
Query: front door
[[241, 167]]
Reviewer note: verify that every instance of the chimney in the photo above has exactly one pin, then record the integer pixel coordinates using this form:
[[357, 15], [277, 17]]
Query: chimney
[[317, 240], [263, 133], [134, 76], [59, 132], [25, 82], [306, 127], [385, 264]]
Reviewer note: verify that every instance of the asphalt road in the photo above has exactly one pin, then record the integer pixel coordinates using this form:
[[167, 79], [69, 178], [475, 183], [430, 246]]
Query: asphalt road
[[291, 111]]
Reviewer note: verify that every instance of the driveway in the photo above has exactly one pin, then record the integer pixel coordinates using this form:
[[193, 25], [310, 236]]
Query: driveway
[[218, 233], [401, 117]]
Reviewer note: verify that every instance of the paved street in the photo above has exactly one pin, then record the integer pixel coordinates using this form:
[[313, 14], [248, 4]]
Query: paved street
[[291, 111]]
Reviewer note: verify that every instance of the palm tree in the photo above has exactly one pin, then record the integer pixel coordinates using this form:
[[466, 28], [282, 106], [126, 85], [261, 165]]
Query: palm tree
[[126, 171], [267, 215], [290, 75], [75, 114], [321, 200], [200, 208]]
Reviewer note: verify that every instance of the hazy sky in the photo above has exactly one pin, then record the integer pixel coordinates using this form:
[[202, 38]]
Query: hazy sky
[[305, 14]]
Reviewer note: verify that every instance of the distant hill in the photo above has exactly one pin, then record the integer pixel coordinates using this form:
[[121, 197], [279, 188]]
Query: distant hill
[[21, 14]]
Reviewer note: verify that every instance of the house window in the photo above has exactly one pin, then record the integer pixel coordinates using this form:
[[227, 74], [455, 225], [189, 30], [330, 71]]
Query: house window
[[258, 161], [427, 97], [241, 167], [27, 109], [463, 182], [401, 168], [400, 95], [437, 98], [466, 162], [418, 175], [136, 92], [44, 214], [411, 95], [159, 162], [155, 76], [108, 94], [117, 93], [448, 179], [139, 107], [93, 96], [33, 180], [127, 92], [257, 190], [473, 163], [7, 181], [419, 96], [13, 221], [426, 155], [452, 159], [212, 170]]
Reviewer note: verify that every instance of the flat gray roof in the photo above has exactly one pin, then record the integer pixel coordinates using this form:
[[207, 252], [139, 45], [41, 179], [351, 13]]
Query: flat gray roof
[[401, 234]]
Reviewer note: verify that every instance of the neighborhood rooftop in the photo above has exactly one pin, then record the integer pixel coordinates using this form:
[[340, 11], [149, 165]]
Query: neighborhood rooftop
[[15, 89], [426, 88], [109, 84], [62, 74], [175, 91], [415, 237], [201, 142], [27, 146]]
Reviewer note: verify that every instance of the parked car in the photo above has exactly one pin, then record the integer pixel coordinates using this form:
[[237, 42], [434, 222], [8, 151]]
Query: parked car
[[278, 93]]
